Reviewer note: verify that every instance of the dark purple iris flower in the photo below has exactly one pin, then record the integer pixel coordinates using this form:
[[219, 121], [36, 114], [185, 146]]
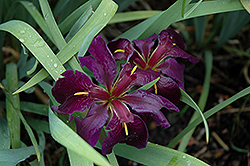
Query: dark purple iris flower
[[123, 113], [162, 59]]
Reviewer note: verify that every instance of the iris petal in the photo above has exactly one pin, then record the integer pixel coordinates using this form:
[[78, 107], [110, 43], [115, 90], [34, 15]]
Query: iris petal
[[70, 84], [121, 111], [144, 102], [89, 128], [103, 64], [137, 134], [169, 89], [123, 44], [174, 70], [145, 45]]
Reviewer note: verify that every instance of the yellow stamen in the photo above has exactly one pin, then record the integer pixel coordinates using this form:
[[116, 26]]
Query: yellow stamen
[[133, 70], [119, 50], [81, 93], [155, 89], [126, 128], [174, 44]]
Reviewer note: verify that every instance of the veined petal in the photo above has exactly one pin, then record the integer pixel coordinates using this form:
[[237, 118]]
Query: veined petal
[[170, 44], [70, 84], [121, 44], [169, 89], [179, 53], [121, 111], [145, 102], [174, 70], [74, 103], [89, 128], [137, 136], [103, 64], [145, 76], [145, 45], [123, 84]]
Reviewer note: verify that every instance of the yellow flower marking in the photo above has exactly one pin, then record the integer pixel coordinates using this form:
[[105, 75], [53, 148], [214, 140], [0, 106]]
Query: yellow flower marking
[[119, 50], [133, 70], [155, 86], [126, 128], [81, 93]]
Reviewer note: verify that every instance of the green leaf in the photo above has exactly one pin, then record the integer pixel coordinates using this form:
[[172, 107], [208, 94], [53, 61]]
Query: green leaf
[[132, 16], [67, 23], [52, 25], [162, 20], [100, 18], [149, 85], [189, 101], [4, 135], [203, 98], [156, 155], [77, 160], [246, 5], [12, 105], [36, 45], [43, 125], [31, 135], [209, 113], [47, 89], [40, 109], [12, 157], [29, 6], [68, 138], [187, 13], [79, 23]]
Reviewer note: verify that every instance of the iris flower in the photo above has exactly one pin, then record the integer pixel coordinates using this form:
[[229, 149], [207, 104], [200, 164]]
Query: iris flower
[[109, 103], [157, 56]]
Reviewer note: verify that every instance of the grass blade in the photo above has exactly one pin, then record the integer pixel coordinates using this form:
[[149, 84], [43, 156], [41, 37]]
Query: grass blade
[[209, 113], [132, 16], [36, 45], [12, 157], [4, 135], [99, 19], [156, 155], [52, 25], [202, 100], [189, 101], [162, 20], [77, 160], [13, 106], [246, 5]]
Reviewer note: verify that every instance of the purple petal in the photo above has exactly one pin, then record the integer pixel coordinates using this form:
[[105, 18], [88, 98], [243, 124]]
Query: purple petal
[[169, 89], [89, 128], [174, 36], [121, 111], [145, 45], [137, 134], [145, 76], [174, 70], [171, 44], [74, 103], [70, 84], [121, 44], [145, 102], [124, 82], [179, 53], [103, 64]]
